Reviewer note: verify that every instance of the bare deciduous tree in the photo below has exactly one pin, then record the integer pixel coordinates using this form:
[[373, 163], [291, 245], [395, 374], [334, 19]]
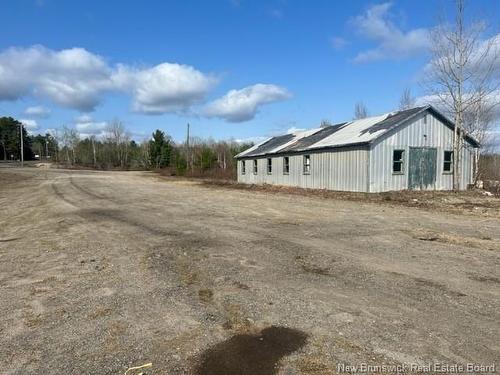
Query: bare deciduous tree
[[118, 137], [360, 111], [479, 119], [94, 156], [69, 140], [461, 75], [325, 123], [478, 122], [144, 155], [406, 101]]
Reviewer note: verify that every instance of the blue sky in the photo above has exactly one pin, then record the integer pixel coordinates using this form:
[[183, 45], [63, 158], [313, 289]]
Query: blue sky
[[231, 68]]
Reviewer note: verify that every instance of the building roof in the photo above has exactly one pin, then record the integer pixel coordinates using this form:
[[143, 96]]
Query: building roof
[[356, 132]]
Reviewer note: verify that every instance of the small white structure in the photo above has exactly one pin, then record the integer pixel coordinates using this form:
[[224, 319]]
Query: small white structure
[[409, 149]]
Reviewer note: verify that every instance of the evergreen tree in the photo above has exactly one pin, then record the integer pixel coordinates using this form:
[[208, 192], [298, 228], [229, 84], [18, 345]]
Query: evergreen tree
[[10, 140], [160, 149]]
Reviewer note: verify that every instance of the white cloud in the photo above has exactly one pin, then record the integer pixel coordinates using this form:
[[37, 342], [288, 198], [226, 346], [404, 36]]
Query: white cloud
[[78, 79], [494, 45], [87, 128], [73, 77], [91, 127], [393, 43], [491, 101], [242, 105], [482, 61], [98, 135], [84, 118], [29, 124], [494, 139], [484, 58], [38, 111], [294, 129], [253, 140], [165, 87]]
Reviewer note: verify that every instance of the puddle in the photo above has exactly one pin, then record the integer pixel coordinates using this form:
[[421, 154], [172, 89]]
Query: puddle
[[247, 354]]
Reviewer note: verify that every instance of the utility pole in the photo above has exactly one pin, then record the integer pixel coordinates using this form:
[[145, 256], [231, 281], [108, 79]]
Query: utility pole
[[22, 145], [187, 148], [46, 149]]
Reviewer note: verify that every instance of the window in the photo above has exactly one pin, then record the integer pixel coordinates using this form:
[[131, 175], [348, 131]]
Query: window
[[269, 166], [286, 165], [448, 162], [243, 167], [307, 164], [398, 160], [255, 166], [425, 119]]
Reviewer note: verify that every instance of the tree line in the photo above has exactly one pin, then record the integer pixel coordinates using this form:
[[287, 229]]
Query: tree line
[[116, 149], [33, 145]]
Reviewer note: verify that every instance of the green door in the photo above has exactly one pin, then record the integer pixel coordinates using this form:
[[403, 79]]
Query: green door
[[422, 168]]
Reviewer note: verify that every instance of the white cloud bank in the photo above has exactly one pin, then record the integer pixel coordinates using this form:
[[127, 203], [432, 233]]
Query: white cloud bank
[[29, 124], [294, 129], [242, 105], [83, 118], [38, 111], [393, 43], [73, 78], [78, 79], [87, 127], [164, 88]]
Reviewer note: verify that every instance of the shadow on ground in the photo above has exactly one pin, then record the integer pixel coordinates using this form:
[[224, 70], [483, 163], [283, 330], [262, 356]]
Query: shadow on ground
[[247, 354]]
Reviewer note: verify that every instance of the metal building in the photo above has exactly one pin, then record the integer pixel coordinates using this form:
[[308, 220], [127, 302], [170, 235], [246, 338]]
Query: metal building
[[409, 149]]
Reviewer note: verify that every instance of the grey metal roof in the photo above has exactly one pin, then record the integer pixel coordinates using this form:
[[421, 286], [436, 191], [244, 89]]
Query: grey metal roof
[[271, 144], [306, 142], [357, 132], [394, 119]]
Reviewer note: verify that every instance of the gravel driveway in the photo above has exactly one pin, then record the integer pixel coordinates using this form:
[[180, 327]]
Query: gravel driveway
[[101, 271]]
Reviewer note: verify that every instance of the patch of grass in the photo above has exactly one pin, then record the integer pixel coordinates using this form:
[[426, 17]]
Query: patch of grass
[[309, 365], [206, 295], [100, 312], [470, 202], [235, 318], [34, 321]]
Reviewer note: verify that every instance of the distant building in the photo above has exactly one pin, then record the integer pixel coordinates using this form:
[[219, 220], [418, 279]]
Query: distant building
[[409, 149]]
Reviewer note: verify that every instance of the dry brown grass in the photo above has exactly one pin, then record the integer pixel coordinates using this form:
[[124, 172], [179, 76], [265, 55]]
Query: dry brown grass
[[473, 202]]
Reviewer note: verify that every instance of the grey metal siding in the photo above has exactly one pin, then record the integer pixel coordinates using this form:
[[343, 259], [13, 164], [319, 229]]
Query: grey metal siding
[[364, 169], [343, 169], [433, 133]]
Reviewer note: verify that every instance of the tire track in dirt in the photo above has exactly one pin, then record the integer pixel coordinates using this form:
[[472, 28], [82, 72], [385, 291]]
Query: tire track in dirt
[[82, 196], [58, 192], [87, 191]]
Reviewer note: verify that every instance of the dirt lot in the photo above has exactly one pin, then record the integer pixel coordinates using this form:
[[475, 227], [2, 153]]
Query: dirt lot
[[101, 271]]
